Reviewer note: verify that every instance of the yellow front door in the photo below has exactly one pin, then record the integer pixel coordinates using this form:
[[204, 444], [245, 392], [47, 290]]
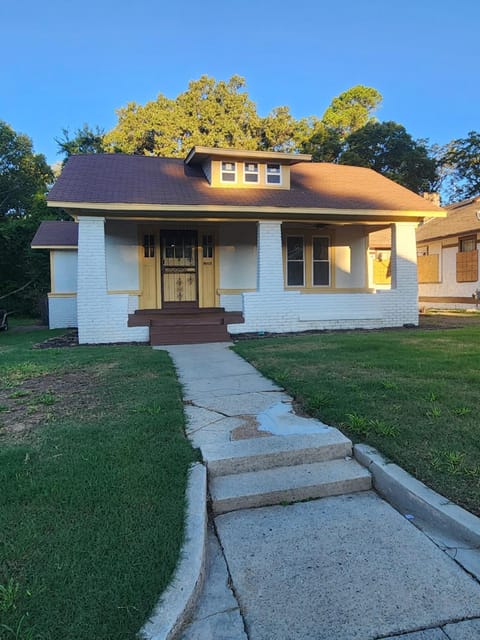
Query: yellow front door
[[179, 266]]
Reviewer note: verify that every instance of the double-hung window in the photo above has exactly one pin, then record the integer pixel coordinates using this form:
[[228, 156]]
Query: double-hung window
[[320, 261], [273, 173], [250, 172], [295, 261], [307, 259], [229, 172]]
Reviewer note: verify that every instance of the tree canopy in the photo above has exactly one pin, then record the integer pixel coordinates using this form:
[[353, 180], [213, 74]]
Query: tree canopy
[[352, 110], [387, 148], [221, 114], [209, 113], [23, 173], [461, 162], [85, 140]]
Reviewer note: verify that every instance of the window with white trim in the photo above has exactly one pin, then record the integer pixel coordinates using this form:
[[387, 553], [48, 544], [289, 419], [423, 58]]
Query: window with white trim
[[320, 261], [229, 172], [273, 173], [295, 261], [250, 172]]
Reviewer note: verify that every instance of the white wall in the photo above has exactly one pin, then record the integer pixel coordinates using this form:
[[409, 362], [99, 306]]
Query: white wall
[[62, 312], [448, 285], [64, 272], [238, 256], [350, 258], [272, 309], [121, 251]]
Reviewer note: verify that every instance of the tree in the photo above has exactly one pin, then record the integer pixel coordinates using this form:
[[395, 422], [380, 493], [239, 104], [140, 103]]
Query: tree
[[387, 148], [85, 140], [209, 113], [461, 161], [23, 173], [351, 110], [24, 177]]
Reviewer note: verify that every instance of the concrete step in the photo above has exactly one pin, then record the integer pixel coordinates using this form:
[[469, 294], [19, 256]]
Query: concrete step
[[275, 451], [287, 484]]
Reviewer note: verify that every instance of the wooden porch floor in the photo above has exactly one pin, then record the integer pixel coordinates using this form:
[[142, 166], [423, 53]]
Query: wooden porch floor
[[187, 325]]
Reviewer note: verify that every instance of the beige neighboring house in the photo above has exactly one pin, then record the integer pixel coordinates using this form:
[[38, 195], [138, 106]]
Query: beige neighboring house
[[227, 241], [448, 267]]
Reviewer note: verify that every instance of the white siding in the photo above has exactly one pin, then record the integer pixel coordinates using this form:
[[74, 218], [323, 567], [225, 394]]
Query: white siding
[[121, 250], [350, 258], [62, 312], [238, 256], [64, 271]]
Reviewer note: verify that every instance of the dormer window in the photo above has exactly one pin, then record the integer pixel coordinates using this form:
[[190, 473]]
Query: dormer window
[[274, 175], [250, 172], [229, 172]]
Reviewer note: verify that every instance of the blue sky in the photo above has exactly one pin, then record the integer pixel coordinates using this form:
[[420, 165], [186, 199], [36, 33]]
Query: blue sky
[[69, 63]]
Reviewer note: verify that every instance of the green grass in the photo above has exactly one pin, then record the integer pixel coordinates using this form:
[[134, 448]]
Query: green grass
[[412, 394], [92, 497]]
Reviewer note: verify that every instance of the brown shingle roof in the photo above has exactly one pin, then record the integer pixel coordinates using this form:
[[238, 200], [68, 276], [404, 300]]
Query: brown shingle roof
[[56, 233], [118, 178], [461, 219]]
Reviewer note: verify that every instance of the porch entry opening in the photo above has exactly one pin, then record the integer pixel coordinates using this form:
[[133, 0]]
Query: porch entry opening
[[179, 267]]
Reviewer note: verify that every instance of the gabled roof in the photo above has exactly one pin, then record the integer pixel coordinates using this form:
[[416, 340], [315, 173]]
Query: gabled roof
[[462, 218], [126, 180], [56, 234]]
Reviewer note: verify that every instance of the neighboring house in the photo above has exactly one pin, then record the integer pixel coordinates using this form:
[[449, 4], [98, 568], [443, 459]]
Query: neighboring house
[[448, 267], [173, 250]]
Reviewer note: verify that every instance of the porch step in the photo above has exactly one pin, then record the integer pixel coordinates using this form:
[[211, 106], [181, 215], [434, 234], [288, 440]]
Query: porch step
[[258, 454], [187, 334], [287, 484], [185, 325]]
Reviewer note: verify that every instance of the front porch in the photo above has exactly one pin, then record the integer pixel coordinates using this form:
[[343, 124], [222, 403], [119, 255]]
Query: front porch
[[199, 281]]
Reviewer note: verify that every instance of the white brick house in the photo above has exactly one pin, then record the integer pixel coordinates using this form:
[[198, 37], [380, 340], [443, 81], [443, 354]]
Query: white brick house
[[244, 241]]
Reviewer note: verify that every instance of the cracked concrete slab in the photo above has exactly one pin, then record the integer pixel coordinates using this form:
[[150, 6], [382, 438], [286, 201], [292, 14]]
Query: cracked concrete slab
[[425, 634], [241, 404], [227, 385], [468, 558], [217, 614], [343, 567], [465, 630]]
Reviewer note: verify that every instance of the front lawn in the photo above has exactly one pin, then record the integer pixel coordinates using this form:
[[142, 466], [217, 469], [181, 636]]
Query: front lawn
[[93, 466], [413, 394]]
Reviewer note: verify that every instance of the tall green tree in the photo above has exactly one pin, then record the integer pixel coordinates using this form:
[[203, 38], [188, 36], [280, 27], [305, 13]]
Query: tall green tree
[[209, 113], [387, 148], [24, 179], [352, 110], [23, 173], [84, 140], [461, 162]]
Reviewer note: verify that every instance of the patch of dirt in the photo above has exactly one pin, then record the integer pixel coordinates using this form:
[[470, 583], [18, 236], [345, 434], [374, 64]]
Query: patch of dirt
[[248, 430], [448, 320], [69, 339], [37, 401]]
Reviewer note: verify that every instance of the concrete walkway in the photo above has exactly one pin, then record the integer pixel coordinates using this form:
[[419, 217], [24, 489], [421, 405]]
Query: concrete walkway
[[342, 567]]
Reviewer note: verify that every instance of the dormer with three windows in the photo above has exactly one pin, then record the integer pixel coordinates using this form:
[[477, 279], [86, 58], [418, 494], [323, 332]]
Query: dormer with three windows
[[233, 168]]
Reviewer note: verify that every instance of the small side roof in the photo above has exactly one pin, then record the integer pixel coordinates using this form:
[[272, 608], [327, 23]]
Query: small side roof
[[462, 218], [56, 234]]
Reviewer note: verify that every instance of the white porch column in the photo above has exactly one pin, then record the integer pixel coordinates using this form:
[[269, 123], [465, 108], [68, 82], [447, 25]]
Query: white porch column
[[269, 257], [404, 257], [91, 278]]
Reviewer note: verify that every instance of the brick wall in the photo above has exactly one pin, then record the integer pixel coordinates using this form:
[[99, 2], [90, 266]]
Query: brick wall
[[102, 318], [272, 309]]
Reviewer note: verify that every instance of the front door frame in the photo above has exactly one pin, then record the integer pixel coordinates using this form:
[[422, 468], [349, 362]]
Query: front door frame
[[186, 265]]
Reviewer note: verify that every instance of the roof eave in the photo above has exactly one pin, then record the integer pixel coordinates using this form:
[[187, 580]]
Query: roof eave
[[198, 154]]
